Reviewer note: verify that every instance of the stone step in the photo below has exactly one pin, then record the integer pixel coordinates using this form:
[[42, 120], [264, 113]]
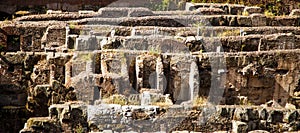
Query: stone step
[[254, 20], [206, 31], [164, 44]]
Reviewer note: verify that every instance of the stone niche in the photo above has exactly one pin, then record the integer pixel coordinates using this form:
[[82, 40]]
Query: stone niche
[[183, 84], [113, 63], [31, 39], [13, 43], [146, 71], [11, 74]]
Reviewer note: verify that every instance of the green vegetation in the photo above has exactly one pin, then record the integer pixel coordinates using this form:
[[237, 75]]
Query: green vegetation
[[79, 129], [86, 57], [243, 46], [1, 47], [72, 25], [198, 24], [269, 14], [275, 7], [165, 5], [154, 51]]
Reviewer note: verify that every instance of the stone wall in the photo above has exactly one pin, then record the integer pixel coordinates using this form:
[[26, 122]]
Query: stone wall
[[113, 117]]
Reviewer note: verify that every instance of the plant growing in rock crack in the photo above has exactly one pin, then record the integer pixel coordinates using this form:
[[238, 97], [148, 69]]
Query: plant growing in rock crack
[[116, 99], [198, 24], [269, 13], [245, 13], [1, 47], [229, 33], [244, 101], [79, 129], [86, 57], [242, 47], [154, 51], [72, 25], [199, 101]]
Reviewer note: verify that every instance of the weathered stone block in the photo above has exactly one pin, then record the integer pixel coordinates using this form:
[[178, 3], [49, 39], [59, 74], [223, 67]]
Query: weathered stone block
[[263, 125], [211, 11], [239, 127], [263, 114], [291, 116], [258, 20], [241, 114], [244, 21], [295, 12], [114, 63], [139, 12], [85, 86], [86, 43], [252, 10], [41, 124], [275, 116], [184, 83]]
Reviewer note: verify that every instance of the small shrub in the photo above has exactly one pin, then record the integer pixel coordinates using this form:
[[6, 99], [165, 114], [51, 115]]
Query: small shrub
[[22, 13], [154, 51], [79, 129], [269, 13], [198, 24], [230, 33], [163, 102], [72, 25], [244, 101], [243, 46], [116, 99], [200, 101], [86, 57], [245, 13]]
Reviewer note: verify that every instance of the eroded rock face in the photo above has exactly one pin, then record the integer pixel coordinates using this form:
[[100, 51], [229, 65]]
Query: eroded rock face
[[252, 10], [77, 116], [295, 12]]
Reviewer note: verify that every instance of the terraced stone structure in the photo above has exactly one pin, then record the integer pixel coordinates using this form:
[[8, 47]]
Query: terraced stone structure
[[132, 69]]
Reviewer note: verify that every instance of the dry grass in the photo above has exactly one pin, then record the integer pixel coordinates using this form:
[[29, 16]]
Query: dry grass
[[200, 101], [230, 33], [245, 13], [22, 12], [116, 99], [269, 14]]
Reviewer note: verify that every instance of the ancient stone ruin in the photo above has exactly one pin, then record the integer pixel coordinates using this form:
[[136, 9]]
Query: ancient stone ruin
[[207, 68]]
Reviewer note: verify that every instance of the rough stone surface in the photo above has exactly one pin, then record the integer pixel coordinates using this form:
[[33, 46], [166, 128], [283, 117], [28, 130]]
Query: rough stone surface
[[295, 12], [239, 127], [252, 10], [160, 70]]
